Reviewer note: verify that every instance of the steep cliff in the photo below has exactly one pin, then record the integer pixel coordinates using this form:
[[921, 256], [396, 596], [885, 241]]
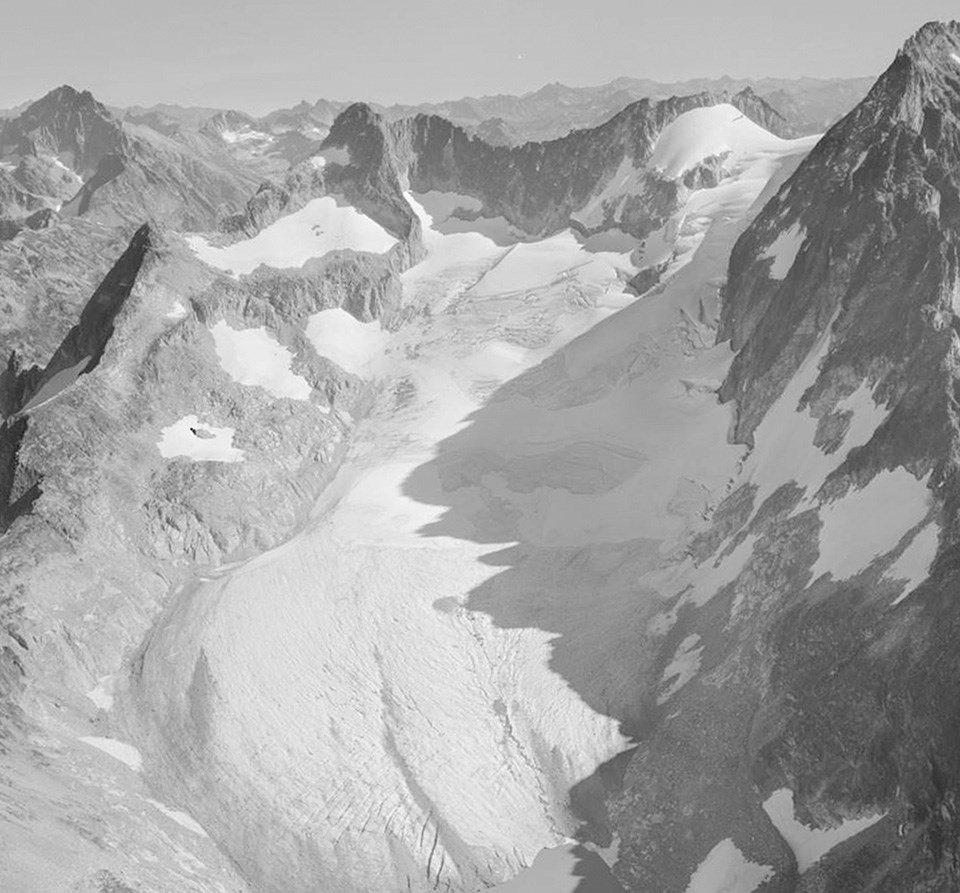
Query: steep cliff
[[816, 606]]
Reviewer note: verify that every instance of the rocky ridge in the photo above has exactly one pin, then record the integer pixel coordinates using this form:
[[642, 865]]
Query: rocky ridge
[[830, 686]]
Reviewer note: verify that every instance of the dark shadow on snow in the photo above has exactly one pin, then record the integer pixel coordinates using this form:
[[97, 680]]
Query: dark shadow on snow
[[588, 596]]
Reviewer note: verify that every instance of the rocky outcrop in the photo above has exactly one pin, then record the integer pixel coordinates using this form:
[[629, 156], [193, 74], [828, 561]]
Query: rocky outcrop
[[538, 187]]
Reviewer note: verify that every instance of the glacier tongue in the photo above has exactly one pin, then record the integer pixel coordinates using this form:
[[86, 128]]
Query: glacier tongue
[[405, 693]]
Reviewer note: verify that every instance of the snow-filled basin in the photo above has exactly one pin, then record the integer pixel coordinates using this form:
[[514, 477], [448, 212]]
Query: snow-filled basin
[[321, 226]]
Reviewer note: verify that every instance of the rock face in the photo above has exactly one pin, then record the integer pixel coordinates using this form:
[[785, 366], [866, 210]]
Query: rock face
[[539, 187], [819, 686], [124, 173], [68, 124]]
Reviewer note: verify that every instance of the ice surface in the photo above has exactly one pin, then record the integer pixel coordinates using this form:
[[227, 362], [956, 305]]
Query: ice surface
[[810, 845], [342, 338], [211, 444], [913, 565], [705, 132], [321, 226], [727, 870], [119, 750], [255, 358], [532, 265], [784, 250], [869, 522]]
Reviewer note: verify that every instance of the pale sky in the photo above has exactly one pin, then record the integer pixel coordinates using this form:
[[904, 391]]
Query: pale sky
[[270, 54]]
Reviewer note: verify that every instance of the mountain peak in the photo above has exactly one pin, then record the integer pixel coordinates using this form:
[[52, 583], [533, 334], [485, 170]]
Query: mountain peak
[[67, 95], [935, 42]]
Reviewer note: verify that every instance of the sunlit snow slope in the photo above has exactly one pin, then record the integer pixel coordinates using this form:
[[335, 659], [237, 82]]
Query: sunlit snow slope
[[354, 710]]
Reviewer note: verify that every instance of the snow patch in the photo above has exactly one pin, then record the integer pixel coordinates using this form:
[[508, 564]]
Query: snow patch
[[955, 58], [913, 565], [244, 136], [810, 845], [438, 211], [181, 818], [627, 180], [784, 250], [869, 522], [727, 870], [203, 443], [783, 441], [176, 312], [706, 132], [119, 750], [342, 338], [333, 155], [321, 226], [253, 357], [102, 695], [684, 666]]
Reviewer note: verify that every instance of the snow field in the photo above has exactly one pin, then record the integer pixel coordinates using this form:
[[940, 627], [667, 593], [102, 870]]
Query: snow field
[[119, 750], [784, 250], [913, 565], [195, 440], [253, 357], [810, 845], [321, 226], [726, 870], [341, 338], [705, 132], [860, 526]]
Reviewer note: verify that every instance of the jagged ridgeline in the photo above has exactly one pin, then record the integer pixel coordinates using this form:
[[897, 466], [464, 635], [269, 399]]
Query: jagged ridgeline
[[437, 502]]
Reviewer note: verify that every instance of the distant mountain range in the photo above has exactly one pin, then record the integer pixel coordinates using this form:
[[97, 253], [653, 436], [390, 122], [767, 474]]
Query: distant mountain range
[[810, 105]]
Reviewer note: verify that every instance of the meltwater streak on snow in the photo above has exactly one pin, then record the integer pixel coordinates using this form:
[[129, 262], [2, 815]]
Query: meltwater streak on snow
[[210, 444], [340, 337], [253, 357], [860, 526], [705, 132], [321, 226], [119, 750], [913, 565], [727, 870], [810, 845], [784, 250]]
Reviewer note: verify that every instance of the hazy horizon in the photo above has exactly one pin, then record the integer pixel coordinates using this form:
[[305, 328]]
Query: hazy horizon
[[262, 58]]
